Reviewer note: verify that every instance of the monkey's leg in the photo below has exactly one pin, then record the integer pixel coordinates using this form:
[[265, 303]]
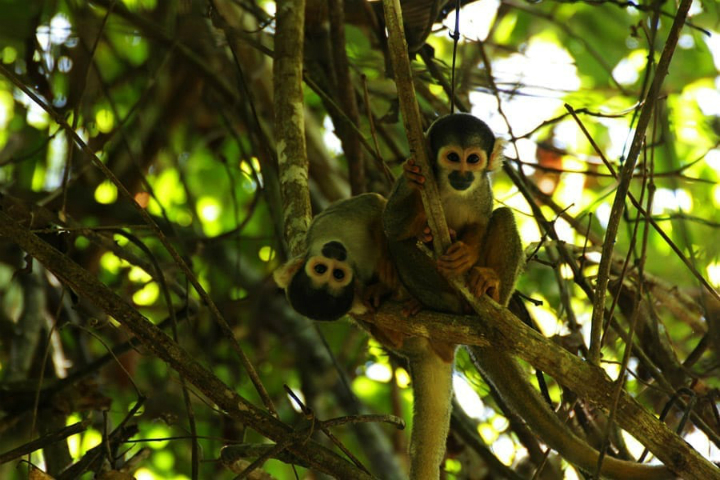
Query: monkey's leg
[[502, 251], [432, 403], [404, 215]]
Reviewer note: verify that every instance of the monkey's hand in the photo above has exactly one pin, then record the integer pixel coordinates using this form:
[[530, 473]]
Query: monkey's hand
[[483, 280], [413, 174], [373, 295], [427, 237], [411, 308], [458, 259]]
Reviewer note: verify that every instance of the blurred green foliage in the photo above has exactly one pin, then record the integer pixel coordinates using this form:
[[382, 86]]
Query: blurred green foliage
[[201, 162]]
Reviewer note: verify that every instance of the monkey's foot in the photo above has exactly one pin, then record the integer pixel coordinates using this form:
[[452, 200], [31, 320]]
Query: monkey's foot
[[411, 307], [458, 259], [483, 280], [412, 173]]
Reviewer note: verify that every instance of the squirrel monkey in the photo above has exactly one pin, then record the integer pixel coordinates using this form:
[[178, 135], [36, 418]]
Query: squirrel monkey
[[463, 151], [346, 267]]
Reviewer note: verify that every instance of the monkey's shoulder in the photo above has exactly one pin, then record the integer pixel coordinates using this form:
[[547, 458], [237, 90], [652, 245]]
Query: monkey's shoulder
[[356, 213], [365, 205]]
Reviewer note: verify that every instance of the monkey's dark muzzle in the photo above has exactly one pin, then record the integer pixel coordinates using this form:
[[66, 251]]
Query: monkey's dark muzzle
[[335, 250], [460, 181]]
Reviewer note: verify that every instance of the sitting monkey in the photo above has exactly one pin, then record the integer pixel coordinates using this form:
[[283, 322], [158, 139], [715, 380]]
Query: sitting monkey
[[487, 247]]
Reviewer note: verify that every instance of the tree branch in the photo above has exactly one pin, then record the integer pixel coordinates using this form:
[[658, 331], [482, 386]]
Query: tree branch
[[86, 285], [413, 125], [290, 122], [498, 327], [626, 175]]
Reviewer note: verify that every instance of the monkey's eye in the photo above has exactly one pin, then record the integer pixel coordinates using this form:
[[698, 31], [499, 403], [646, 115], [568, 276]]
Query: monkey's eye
[[453, 157], [473, 158], [320, 269], [338, 274]]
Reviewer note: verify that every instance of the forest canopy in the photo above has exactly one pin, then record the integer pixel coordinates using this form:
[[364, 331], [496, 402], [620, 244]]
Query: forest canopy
[[143, 210]]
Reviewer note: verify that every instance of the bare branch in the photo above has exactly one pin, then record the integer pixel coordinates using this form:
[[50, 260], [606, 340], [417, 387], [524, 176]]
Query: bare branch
[[413, 126], [625, 177]]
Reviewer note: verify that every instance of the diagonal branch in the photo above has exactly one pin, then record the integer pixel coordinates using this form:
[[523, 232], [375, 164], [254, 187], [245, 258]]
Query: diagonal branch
[[498, 327], [626, 175], [413, 125], [88, 286]]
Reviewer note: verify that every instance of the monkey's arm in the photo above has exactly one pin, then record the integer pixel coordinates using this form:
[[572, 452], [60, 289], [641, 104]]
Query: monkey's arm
[[464, 253], [384, 281], [500, 258], [404, 216]]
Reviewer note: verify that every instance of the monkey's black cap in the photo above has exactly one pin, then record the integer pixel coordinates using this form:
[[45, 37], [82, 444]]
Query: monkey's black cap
[[318, 304], [460, 129]]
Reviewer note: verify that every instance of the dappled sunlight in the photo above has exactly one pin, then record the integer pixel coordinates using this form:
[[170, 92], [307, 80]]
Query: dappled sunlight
[[191, 112]]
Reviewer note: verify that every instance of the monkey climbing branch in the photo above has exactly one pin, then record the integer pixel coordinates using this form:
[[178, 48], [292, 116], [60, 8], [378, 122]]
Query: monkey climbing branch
[[413, 125], [484, 307]]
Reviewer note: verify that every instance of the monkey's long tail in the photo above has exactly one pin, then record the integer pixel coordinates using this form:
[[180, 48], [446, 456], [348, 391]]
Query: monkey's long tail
[[432, 392], [509, 381]]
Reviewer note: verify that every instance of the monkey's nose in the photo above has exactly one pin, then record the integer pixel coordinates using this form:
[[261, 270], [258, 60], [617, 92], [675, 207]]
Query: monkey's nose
[[460, 181]]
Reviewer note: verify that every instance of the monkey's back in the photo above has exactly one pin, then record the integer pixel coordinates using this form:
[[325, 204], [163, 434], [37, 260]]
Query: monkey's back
[[355, 222]]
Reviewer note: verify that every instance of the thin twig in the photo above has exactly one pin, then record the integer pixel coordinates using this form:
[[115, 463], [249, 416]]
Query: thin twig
[[45, 440], [638, 206], [624, 182]]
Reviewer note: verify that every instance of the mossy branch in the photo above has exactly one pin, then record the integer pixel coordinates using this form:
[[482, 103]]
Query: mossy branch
[[290, 122], [497, 326]]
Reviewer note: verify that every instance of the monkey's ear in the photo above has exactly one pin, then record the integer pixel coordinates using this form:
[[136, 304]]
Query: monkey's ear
[[284, 275], [496, 157]]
